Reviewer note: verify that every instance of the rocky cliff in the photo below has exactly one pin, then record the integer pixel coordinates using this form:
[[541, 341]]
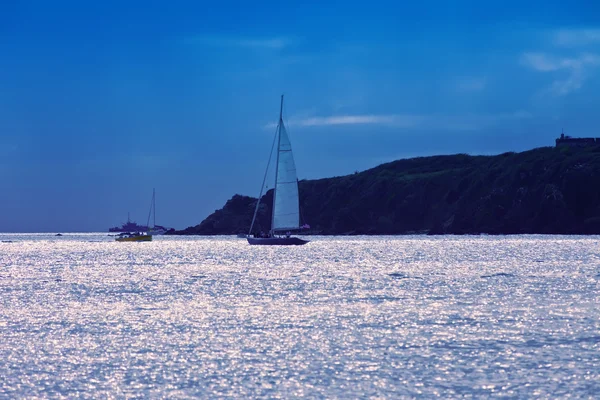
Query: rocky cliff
[[545, 190]]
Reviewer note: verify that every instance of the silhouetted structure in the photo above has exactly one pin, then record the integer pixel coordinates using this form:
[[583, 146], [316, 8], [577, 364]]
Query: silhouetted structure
[[576, 142]]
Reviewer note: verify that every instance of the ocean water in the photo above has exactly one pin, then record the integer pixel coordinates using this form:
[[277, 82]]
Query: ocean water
[[82, 316]]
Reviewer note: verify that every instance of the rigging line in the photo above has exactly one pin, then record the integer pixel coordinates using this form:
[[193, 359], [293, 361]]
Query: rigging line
[[264, 180], [149, 213], [302, 220]]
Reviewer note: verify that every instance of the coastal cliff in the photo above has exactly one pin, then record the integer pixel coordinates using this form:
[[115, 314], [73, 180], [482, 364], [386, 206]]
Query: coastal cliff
[[544, 190]]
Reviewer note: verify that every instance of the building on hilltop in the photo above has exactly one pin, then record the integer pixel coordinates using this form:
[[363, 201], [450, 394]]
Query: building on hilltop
[[576, 142]]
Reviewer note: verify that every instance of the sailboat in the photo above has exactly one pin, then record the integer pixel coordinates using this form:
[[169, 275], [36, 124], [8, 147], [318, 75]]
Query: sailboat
[[156, 229], [134, 237], [286, 206]]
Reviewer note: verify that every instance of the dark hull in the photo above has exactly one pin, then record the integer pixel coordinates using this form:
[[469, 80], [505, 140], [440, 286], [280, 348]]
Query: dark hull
[[277, 241]]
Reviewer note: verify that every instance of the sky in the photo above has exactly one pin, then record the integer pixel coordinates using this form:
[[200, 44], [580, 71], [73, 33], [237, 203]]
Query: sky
[[100, 102]]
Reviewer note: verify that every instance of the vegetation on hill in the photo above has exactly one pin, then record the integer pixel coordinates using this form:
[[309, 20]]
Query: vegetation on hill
[[545, 190]]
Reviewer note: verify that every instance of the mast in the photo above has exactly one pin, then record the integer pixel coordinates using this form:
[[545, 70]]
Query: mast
[[154, 206], [277, 165], [281, 109], [150, 212]]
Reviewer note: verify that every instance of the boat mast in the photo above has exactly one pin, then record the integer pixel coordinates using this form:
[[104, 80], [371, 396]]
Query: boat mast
[[277, 165], [154, 207]]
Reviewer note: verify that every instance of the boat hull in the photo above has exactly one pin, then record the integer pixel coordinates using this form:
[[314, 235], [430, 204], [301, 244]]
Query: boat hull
[[143, 238], [277, 241]]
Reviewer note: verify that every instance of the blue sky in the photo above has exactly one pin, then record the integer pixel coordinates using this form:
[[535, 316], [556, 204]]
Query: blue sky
[[101, 102]]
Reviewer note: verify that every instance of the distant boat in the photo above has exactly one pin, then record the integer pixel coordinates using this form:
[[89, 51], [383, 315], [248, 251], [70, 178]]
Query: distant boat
[[129, 226], [286, 206], [155, 229], [134, 237], [241, 236]]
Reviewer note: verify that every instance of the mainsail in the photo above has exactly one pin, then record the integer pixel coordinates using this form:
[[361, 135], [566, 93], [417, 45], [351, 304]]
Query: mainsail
[[286, 209]]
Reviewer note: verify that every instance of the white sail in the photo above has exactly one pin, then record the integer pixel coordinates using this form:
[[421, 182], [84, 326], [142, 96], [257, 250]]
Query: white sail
[[286, 211]]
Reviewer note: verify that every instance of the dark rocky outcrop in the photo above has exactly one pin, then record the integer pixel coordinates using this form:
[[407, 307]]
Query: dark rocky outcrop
[[545, 190]]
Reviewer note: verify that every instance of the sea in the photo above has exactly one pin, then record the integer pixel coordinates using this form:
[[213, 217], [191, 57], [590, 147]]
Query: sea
[[377, 317]]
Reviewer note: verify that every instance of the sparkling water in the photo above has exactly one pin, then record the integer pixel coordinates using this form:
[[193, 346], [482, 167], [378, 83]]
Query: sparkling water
[[82, 316]]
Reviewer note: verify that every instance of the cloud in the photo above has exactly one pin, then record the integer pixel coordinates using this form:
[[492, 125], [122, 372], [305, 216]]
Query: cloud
[[273, 43], [576, 37], [577, 69], [467, 122], [540, 62], [389, 120], [471, 84], [570, 72], [395, 120], [545, 63]]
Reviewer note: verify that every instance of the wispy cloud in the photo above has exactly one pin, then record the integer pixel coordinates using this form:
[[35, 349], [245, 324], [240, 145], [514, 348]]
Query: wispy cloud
[[467, 122], [577, 69], [576, 37], [540, 62], [273, 43], [396, 120], [544, 62]]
